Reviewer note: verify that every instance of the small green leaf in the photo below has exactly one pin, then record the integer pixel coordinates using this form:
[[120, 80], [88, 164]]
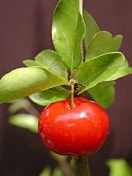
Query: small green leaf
[[27, 121], [22, 82], [48, 59], [49, 96], [68, 32], [52, 60], [103, 94], [97, 70], [119, 167], [91, 28], [103, 42]]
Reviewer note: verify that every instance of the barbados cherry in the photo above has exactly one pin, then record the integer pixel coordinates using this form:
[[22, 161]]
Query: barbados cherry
[[78, 131]]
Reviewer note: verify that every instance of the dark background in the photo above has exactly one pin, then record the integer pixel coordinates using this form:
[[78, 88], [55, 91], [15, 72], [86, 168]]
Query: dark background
[[25, 31]]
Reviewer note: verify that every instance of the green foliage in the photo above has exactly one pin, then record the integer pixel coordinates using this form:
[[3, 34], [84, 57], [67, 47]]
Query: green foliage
[[103, 93], [121, 72], [25, 81], [42, 77], [50, 60], [67, 32], [119, 167], [98, 69], [91, 28], [49, 96], [27, 121], [103, 42]]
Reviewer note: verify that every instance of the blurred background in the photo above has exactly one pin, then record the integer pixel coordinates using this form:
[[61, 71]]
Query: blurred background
[[25, 30]]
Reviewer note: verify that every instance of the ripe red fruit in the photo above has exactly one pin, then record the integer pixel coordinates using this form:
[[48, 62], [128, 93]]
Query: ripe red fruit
[[78, 131]]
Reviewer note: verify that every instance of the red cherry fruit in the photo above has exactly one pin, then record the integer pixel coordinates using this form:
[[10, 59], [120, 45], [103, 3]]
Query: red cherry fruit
[[78, 131]]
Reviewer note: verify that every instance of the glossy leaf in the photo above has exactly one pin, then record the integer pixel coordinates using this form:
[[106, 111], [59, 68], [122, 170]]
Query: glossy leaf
[[68, 32], [25, 81], [91, 28], [119, 167], [48, 59], [103, 42], [49, 96], [103, 93], [52, 60], [97, 70], [27, 121], [121, 72]]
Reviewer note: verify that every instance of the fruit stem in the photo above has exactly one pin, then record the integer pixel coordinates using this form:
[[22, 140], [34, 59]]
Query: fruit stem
[[73, 81], [80, 166], [72, 92]]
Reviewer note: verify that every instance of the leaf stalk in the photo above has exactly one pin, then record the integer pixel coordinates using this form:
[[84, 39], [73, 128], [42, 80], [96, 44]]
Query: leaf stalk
[[81, 7]]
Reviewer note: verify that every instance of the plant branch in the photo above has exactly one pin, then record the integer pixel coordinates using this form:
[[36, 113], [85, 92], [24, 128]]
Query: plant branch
[[80, 166]]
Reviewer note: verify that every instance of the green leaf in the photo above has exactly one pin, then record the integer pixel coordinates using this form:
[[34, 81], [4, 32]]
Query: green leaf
[[97, 70], [53, 61], [27, 121], [119, 167], [22, 82], [91, 28], [103, 94], [48, 59], [32, 63], [121, 72], [103, 42], [68, 32], [49, 96]]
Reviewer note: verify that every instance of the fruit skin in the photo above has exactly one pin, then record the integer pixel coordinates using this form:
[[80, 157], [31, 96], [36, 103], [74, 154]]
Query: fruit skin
[[78, 131]]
